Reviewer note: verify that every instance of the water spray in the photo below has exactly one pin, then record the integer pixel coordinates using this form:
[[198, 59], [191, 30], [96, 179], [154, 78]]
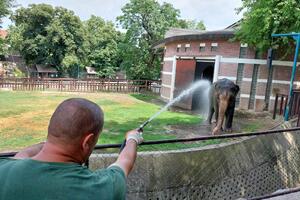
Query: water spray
[[205, 84], [199, 84]]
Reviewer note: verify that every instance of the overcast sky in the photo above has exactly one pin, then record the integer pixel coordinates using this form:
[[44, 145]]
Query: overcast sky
[[216, 14]]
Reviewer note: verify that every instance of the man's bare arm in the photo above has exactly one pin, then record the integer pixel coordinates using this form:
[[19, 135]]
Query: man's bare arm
[[127, 157], [30, 151]]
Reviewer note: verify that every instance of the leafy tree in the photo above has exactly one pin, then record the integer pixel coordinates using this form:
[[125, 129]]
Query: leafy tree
[[101, 45], [192, 24], [14, 39], [2, 47], [46, 35], [72, 65], [264, 17], [5, 6], [146, 23], [200, 25], [65, 37]]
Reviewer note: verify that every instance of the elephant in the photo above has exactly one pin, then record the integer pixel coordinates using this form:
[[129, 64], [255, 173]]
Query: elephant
[[222, 102]]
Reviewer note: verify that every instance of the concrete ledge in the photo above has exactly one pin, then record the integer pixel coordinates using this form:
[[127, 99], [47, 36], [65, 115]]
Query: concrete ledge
[[243, 168]]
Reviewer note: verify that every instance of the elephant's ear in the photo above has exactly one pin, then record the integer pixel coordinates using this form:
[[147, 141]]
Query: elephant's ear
[[236, 89]]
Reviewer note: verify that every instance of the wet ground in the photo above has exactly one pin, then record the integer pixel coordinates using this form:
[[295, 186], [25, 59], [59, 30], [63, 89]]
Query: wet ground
[[244, 121]]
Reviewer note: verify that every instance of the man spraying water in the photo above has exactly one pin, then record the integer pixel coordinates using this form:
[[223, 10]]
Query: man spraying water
[[53, 170]]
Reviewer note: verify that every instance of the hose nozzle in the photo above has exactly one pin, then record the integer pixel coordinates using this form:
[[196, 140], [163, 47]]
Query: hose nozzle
[[140, 129]]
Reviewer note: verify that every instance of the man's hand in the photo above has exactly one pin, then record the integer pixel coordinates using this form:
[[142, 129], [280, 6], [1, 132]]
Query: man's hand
[[29, 151], [134, 135]]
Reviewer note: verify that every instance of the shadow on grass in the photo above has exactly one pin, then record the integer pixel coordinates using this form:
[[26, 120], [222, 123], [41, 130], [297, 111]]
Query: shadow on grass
[[145, 97]]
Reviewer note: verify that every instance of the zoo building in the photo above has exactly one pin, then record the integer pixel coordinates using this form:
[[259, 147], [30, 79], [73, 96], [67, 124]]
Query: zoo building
[[190, 55]]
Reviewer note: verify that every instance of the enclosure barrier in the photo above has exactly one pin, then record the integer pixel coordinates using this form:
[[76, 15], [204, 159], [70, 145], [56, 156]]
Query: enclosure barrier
[[81, 85], [279, 170], [294, 105], [283, 98], [170, 141]]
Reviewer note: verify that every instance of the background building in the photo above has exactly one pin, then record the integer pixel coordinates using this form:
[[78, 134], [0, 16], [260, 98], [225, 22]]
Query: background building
[[191, 55]]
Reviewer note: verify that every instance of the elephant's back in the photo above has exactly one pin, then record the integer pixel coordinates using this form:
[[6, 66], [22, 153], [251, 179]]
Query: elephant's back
[[224, 84]]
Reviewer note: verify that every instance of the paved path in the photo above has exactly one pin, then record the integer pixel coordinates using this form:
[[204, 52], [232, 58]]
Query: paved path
[[292, 196]]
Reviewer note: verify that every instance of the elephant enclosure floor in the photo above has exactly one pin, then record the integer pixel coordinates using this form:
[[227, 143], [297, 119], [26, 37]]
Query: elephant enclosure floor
[[244, 121]]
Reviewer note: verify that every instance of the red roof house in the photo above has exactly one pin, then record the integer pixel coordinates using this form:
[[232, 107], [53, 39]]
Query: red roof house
[[3, 33]]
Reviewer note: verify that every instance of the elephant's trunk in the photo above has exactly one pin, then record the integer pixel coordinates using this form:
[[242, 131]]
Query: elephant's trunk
[[223, 104]]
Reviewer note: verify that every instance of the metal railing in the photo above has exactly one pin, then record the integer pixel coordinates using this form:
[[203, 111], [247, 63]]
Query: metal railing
[[295, 106], [283, 99], [294, 110], [182, 140]]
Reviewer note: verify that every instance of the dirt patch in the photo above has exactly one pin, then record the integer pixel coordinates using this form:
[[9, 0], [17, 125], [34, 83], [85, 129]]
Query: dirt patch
[[244, 121]]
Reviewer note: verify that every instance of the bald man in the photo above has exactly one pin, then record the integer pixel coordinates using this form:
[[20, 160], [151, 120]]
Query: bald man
[[53, 170]]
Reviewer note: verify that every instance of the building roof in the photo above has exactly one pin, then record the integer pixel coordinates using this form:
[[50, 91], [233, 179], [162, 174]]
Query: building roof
[[189, 35], [3, 33], [45, 69], [235, 25], [180, 31], [91, 70]]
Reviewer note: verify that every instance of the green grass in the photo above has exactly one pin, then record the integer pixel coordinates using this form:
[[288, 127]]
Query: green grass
[[252, 127], [144, 97], [24, 116]]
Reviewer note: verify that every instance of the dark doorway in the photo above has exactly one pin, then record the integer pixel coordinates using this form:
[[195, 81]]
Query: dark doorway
[[204, 70]]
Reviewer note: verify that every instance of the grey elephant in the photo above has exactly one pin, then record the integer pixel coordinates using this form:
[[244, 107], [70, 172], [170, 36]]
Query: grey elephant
[[222, 103]]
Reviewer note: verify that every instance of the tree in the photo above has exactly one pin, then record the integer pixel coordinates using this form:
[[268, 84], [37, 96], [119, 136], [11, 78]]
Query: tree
[[146, 23], [71, 65], [65, 37], [46, 35], [5, 6], [192, 24], [101, 45], [264, 17]]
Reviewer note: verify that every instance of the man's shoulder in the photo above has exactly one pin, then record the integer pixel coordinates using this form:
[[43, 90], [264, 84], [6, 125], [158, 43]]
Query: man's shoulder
[[6, 160], [112, 170]]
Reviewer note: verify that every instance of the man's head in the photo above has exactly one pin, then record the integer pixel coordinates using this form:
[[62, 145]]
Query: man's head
[[76, 123]]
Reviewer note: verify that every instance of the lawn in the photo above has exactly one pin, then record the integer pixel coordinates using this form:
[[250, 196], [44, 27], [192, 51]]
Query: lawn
[[24, 116]]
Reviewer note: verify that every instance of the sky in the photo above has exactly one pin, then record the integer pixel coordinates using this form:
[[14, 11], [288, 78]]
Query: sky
[[216, 14]]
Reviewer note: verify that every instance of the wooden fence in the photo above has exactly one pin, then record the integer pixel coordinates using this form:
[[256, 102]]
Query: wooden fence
[[81, 85]]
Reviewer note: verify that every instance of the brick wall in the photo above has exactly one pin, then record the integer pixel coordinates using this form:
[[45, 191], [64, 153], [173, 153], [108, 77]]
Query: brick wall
[[167, 66], [166, 79], [225, 48], [165, 93], [231, 50], [228, 69]]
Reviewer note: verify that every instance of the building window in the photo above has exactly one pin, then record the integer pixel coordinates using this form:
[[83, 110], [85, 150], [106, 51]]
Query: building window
[[202, 47], [178, 47], [187, 47], [243, 50], [214, 47]]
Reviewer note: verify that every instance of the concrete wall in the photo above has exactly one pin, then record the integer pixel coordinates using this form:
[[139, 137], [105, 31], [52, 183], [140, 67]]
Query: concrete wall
[[244, 168]]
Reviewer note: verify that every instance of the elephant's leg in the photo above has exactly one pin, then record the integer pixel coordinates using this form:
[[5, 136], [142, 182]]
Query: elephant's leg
[[223, 104], [229, 116], [211, 107], [210, 114], [216, 108]]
